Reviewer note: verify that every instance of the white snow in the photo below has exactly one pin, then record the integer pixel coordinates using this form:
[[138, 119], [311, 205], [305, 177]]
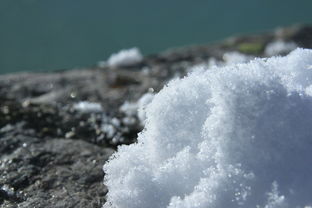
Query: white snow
[[125, 57], [88, 107], [236, 136], [279, 47]]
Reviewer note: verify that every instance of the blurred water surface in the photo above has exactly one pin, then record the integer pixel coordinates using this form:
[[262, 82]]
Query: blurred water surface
[[39, 35]]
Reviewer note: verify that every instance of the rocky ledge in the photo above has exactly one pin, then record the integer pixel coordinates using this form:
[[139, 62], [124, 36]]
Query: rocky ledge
[[57, 129]]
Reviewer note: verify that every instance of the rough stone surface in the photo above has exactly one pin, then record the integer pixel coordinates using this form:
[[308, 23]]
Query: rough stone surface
[[44, 174], [52, 155]]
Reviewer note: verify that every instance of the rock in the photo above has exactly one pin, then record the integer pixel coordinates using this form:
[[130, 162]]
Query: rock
[[44, 174], [52, 154]]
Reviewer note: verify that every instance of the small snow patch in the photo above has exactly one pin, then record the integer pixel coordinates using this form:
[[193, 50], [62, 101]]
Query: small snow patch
[[136, 109], [125, 57], [236, 58], [229, 58], [279, 47], [129, 108], [88, 107]]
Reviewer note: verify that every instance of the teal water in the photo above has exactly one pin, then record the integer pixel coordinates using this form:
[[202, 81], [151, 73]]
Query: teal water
[[39, 35]]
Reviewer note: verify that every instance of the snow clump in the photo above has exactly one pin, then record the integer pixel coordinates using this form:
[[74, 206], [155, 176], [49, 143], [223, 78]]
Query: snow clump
[[235, 136], [125, 57]]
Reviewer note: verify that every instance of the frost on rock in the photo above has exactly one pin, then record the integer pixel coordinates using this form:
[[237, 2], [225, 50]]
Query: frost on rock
[[125, 57], [236, 136], [279, 47]]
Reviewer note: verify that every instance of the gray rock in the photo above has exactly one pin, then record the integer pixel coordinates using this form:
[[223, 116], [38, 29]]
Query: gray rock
[[44, 174]]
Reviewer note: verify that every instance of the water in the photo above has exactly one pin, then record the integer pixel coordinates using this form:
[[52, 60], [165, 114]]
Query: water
[[41, 35]]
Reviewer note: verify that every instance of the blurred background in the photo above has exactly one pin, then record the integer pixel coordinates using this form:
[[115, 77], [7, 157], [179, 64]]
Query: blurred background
[[43, 35]]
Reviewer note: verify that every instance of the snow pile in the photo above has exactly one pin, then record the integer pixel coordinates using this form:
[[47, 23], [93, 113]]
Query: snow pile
[[237, 136], [88, 107], [279, 47], [125, 57]]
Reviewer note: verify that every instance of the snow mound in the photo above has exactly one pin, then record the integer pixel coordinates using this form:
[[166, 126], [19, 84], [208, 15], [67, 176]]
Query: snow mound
[[125, 57], [237, 136]]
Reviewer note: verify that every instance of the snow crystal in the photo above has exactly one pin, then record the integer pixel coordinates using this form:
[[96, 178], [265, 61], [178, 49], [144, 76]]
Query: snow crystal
[[236, 136], [125, 57], [279, 47], [88, 107]]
